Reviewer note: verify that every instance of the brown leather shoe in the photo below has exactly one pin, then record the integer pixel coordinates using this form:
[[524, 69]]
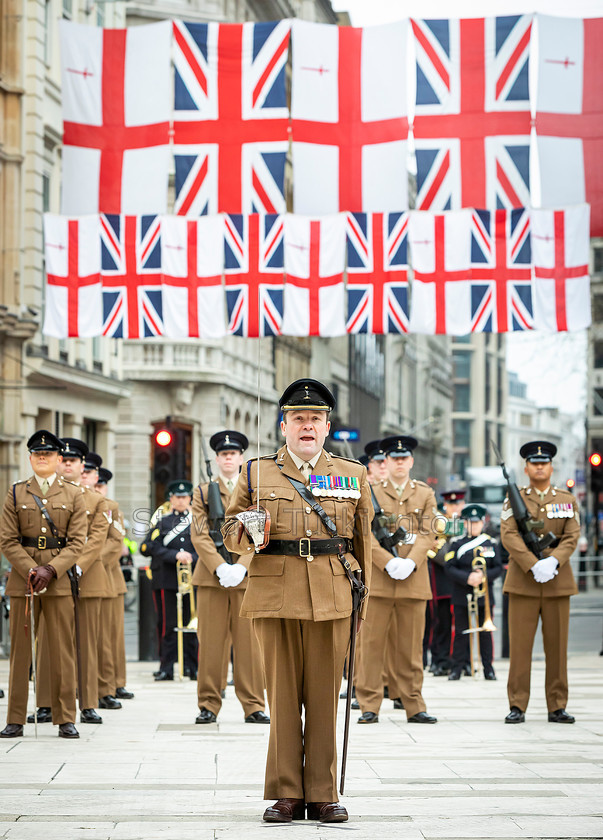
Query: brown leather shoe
[[327, 812], [285, 810], [68, 730], [12, 730]]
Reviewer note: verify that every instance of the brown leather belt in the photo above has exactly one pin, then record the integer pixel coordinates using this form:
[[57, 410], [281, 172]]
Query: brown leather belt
[[307, 547], [43, 542]]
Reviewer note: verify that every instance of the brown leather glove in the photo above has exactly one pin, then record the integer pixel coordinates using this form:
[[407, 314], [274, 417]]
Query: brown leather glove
[[42, 577]]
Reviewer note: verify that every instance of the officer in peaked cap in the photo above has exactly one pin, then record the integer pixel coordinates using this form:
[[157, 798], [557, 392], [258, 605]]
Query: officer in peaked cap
[[92, 462], [464, 577], [168, 544], [74, 448], [221, 581], [540, 587], [299, 597], [438, 616], [42, 553], [111, 642], [400, 589], [377, 468]]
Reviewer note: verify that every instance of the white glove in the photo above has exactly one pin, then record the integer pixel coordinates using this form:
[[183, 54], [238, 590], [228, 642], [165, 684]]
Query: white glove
[[231, 575], [545, 570], [223, 572], [399, 568], [78, 571]]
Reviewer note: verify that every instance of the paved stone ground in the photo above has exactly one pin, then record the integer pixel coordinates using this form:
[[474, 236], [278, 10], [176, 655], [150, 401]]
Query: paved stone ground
[[148, 772]]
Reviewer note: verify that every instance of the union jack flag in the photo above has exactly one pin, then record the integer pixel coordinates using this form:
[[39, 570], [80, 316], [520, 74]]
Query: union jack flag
[[254, 274], [501, 274], [472, 114], [131, 274], [231, 117], [377, 288]]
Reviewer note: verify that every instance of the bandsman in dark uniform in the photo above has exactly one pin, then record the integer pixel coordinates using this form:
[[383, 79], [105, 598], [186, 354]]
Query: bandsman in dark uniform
[[169, 543], [111, 643], [221, 585], [34, 544], [400, 589], [299, 597], [464, 577], [438, 617], [540, 588]]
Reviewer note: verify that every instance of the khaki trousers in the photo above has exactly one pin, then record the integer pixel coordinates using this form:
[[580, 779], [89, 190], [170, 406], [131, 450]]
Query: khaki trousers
[[89, 615], [406, 662], [523, 621], [118, 640], [217, 618], [106, 662], [58, 614], [303, 662]]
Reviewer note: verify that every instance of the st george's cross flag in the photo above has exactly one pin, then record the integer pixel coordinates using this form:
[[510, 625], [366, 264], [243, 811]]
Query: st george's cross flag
[[472, 112], [377, 284], [73, 305], [192, 260], [560, 252], [349, 118], [501, 275], [440, 255], [131, 274], [230, 117], [254, 273], [314, 265], [116, 116], [569, 113]]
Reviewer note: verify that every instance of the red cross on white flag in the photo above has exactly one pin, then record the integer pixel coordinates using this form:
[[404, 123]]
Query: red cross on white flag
[[116, 112], [349, 125], [73, 305], [560, 250]]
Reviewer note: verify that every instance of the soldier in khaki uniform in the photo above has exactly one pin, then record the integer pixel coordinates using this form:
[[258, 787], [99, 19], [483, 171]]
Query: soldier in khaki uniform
[[220, 590], [540, 588], [400, 589], [28, 543], [299, 598], [111, 640]]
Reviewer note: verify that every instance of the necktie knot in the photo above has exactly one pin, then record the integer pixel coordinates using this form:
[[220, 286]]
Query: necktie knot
[[230, 485], [306, 469], [399, 489], [45, 486]]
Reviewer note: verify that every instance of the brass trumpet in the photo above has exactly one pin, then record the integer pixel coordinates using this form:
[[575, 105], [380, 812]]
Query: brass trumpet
[[184, 575], [478, 564]]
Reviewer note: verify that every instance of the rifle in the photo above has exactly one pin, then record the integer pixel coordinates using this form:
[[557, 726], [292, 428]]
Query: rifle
[[382, 534], [215, 509], [525, 524], [75, 594]]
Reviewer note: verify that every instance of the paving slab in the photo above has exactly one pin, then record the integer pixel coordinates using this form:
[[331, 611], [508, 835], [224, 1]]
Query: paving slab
[[150, 772]]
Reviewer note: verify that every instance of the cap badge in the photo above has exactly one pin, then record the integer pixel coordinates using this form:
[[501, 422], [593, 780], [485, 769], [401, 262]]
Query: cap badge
[[307, 395], [43, 441], [539, 451], [227, 439]]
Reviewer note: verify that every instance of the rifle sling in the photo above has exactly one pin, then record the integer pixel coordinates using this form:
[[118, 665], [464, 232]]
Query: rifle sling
[[53, 528]]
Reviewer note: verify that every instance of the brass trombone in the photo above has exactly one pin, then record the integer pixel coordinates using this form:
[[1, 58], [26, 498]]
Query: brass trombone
[[184, 575], [478, 564]]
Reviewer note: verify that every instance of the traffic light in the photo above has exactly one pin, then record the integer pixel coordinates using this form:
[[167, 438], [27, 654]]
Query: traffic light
[[595, 459], [596, 472], [570, 484], [163, 437]]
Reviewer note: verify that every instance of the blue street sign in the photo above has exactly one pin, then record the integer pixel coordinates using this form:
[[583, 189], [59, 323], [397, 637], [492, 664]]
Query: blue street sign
[[351, 435]]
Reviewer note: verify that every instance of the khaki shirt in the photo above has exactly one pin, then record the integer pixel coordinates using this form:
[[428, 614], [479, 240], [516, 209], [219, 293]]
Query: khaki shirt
[[520, 580], [416, 511], [112, 549], [209, 556], [290, 586], [21, 517]]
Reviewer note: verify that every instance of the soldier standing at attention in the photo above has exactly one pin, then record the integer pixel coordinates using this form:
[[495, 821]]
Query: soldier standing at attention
[[221, 585], [45, 546], [540, 588], [299, 597], [400, 589]]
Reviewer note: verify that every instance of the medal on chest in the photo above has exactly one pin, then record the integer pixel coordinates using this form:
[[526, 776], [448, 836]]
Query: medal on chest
[[559, 510], [335, 486]]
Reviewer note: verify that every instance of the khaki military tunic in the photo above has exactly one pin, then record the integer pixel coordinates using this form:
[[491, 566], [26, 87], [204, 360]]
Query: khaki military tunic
[[111, 641], [300, 610], [558, 512], [398, 601], [22, 518], [219, 621]]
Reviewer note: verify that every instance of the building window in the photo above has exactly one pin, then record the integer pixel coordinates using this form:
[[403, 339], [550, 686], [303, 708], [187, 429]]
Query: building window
[[461, 398], [598, 354], [461, 365], [598, 401], [45, 193], [525, 420], [462, 339], [47, 33], [460, 462], [100, 14], [597, 309], [598, 259], [89, 433], [461, 432], [488, 383], [68, 9]]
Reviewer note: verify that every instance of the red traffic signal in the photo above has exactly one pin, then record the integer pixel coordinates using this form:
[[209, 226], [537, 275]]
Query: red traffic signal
[[163, 437], [595, 459], [570, 484]]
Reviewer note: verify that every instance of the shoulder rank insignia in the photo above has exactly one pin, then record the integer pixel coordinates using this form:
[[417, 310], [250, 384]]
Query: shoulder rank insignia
[[506, 514], [335, 486]]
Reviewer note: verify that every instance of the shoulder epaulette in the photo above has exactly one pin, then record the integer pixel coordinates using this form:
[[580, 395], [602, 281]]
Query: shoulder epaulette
[[21, 481], [343, 458], [266, 457], [420, 483]]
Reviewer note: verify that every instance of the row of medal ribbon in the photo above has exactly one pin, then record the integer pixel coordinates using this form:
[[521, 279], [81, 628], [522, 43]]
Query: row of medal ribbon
[[559, 510], [335, 486]]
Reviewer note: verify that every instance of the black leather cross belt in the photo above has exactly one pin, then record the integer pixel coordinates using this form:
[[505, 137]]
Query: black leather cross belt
[[43, 542], [307, 547]]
